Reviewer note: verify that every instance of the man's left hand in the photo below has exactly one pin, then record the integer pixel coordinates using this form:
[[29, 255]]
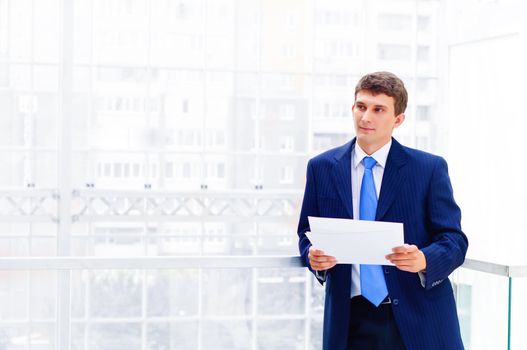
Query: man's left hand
[[408, 258]]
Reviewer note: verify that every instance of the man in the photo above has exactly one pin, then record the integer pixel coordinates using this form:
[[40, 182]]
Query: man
[[410, 305]]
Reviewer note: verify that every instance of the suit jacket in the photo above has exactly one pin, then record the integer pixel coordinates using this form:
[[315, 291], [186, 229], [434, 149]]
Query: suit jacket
[[416, 191]]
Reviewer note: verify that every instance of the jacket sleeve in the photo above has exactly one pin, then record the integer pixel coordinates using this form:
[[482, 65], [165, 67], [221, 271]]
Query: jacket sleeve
[[309, 208], [449, 243]]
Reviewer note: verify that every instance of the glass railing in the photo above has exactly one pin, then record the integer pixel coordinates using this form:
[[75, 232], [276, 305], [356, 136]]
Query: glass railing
[[256, 302], [491, 305], [159, 303]]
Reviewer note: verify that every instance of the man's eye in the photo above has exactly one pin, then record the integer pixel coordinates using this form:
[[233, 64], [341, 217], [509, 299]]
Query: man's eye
[[378, 109]]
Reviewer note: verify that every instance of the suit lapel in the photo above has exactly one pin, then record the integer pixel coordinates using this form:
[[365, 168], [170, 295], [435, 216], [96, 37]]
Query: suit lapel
[[393, 177], [342, 175]]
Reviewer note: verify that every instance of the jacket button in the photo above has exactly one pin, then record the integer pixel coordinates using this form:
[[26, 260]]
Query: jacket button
[[386, 270], [395, 301]]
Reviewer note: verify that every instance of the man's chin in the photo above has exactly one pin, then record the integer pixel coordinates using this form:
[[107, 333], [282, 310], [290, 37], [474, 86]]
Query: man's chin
[[365, 138]]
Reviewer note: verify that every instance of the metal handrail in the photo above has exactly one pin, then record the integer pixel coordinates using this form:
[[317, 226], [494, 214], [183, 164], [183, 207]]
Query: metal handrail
[[178, 262]]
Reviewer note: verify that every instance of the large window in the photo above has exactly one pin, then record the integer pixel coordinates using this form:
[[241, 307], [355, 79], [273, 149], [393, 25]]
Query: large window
[[173, 128]]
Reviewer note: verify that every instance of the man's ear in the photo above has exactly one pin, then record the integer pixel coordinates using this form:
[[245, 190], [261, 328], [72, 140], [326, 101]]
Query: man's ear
[[399, 119]]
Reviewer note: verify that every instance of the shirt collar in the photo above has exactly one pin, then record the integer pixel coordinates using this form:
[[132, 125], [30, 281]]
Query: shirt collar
[[381, 155]]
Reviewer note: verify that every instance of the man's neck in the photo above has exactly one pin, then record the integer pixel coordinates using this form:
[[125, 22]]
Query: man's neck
[[371, 149]]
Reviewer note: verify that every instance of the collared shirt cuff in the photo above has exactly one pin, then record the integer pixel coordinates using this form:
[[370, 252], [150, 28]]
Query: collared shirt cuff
[[422, 277], [320, 275]]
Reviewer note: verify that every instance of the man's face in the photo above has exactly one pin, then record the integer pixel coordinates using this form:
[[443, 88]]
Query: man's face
[[374, 118]]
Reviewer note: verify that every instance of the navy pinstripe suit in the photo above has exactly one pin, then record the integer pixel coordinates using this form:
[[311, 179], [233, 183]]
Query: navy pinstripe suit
[[416, 191]]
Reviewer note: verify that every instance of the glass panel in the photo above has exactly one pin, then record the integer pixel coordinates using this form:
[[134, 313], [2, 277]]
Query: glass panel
[[12, 228], [13, 303], [14, 246], [15, 337], [80, 281], [518, 313], [105, 304], [43, 294], [285, 171], [44, 106], [175, 239], [43, 246], [42, 336], [247, 34], [120, 41], [220, 31], [245, 171], [277, 238], [482, 303], [281, 291], [172, 294], [115, 336], [316, 329], [227, 292], [179, 39], [46, 24], [227, 335], [82, 22], [78, 337], [176, 335], [21, 21], [281, 334], [317, 296], [115, 294]]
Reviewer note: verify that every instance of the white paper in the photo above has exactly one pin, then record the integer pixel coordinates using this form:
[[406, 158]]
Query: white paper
[[356, 241]]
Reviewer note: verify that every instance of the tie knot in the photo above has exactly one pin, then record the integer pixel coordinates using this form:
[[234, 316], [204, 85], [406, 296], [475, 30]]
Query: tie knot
[[369, 162]]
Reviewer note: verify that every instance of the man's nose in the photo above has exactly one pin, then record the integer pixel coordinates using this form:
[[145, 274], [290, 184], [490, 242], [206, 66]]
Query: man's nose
[[366, 116]]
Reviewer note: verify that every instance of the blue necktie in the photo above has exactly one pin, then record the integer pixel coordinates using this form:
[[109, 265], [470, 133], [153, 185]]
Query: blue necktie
[[373, 285]]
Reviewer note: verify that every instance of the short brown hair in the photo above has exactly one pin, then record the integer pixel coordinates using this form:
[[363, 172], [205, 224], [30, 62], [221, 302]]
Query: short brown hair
[[385, 83]]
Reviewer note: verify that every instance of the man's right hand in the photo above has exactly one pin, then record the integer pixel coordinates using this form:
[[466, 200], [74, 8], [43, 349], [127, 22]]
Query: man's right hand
[[319, 261]]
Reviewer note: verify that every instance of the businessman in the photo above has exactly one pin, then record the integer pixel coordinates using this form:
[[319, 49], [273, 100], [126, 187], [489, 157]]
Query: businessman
[[373, 177]]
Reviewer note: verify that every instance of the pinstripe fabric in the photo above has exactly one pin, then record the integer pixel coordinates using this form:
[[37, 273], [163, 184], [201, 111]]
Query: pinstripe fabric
[[416, 191]]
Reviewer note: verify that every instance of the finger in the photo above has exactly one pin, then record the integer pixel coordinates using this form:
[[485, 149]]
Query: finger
[[405, 264], [315, 256], [323, 255], [326, 263], [411, 248], [401, 256], [316, 251], [405, 248], [405, 253], [322, 259], [322, 266], [399, 249], [404, 261]]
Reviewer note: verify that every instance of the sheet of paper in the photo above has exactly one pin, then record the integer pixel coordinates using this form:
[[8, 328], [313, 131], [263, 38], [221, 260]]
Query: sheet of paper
[[356, 241]]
